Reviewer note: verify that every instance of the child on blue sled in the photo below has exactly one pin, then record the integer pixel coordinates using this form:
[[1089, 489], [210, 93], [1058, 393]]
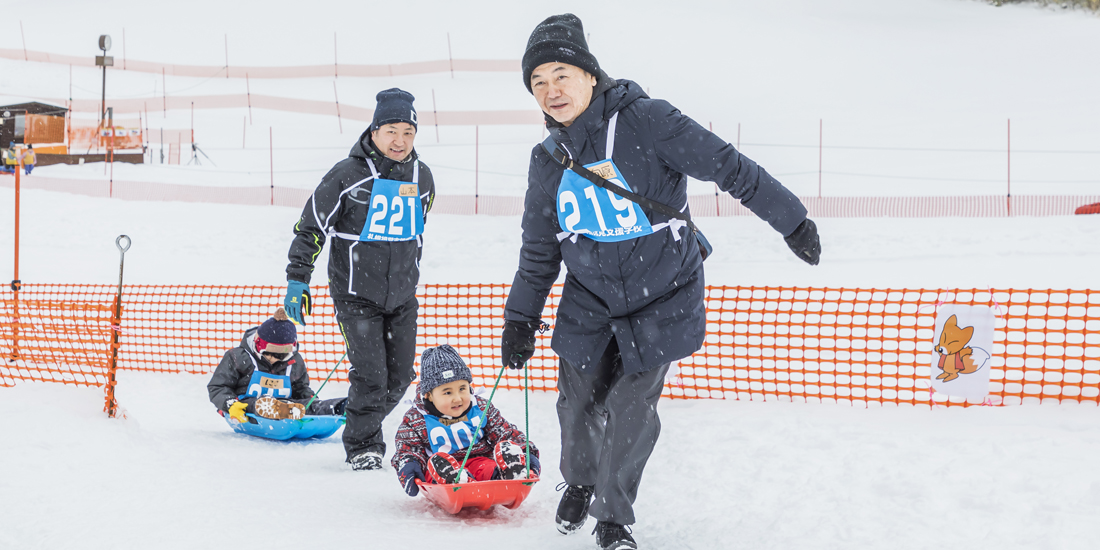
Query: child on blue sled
[[438, 429], [267, 377]]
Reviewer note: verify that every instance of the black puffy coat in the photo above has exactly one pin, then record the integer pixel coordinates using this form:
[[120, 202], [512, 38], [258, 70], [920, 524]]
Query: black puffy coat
[[647, 292], [384, 274], [231, 377]]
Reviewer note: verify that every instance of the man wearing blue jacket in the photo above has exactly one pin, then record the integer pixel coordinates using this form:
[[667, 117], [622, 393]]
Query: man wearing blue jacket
[[633, 296]]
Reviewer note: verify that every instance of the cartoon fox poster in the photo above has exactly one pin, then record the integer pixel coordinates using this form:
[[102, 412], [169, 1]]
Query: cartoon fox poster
[[961, 350]]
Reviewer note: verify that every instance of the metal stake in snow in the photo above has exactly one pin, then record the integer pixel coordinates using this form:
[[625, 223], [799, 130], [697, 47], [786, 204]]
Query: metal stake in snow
[[116, 327]]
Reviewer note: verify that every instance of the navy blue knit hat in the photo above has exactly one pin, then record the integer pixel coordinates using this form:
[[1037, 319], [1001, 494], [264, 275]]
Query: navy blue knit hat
[[559, 38], [441, 365], [277, 334], [394, 105]]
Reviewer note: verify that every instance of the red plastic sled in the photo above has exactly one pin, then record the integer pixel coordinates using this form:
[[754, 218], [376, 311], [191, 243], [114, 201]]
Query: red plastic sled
[[478, 494], [1093, 208]]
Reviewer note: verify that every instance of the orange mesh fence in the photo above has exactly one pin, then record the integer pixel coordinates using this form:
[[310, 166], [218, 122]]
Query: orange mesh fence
[[858, 346], [870, 346], [56, 334]]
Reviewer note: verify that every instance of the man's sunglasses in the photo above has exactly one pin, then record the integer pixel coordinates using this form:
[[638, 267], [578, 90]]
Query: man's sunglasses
[[277, 356]]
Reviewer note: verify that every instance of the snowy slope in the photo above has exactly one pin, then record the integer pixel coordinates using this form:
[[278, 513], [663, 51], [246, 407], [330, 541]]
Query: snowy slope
[[724, 475], [931, 82]]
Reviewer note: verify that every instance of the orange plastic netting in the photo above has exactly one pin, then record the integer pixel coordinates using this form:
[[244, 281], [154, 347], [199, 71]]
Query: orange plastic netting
[[858, 346]]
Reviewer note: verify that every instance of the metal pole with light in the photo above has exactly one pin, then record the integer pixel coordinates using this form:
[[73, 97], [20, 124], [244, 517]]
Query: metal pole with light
[[104, 61]]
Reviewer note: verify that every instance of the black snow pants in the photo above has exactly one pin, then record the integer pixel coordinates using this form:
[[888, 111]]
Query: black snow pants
[[609, 426], [381, 348]]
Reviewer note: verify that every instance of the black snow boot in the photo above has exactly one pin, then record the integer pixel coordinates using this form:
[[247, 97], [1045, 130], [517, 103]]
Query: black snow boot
[[511, 460], [612, 536], [573, 508], [370, 460], [444, 469]]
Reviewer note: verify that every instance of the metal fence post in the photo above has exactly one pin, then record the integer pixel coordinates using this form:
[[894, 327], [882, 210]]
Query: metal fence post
[[116, 328]]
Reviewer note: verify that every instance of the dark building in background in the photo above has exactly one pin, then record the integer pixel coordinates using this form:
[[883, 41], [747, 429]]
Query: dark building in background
[[32, 122]]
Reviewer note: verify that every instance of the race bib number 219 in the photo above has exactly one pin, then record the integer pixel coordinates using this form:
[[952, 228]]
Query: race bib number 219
[[596, 213]]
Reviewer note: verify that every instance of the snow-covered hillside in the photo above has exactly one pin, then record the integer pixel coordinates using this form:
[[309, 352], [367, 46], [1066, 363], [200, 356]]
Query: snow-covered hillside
[[914, 97]]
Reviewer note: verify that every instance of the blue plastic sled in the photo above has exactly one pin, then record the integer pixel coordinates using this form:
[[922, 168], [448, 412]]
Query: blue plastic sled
[[310, 427]]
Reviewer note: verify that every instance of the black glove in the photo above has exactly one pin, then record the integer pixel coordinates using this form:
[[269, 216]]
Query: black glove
[[517, 344], [408, 476], [805, 243]]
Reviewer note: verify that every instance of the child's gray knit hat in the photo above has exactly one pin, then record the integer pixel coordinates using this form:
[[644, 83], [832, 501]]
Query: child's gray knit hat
[[441, 365]]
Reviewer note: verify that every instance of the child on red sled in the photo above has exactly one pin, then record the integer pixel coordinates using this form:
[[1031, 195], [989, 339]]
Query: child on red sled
[[438, 429]]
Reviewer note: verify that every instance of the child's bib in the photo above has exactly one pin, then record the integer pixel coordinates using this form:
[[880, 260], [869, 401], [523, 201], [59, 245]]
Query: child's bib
[[263, 384], [448, 439]]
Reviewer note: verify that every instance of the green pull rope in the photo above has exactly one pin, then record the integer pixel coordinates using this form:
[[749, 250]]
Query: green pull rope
[[330, 373], [486, 417], [526, 421]]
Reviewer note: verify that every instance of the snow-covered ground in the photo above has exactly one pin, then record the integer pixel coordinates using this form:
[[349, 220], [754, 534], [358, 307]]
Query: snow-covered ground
[[724, 475], [931, 82]]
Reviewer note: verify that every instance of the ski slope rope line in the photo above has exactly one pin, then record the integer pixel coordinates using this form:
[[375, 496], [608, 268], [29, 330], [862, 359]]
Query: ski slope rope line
[[332, 70], [702, 205]]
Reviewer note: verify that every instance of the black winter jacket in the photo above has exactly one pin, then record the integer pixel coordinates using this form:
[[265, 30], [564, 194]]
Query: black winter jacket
[[231, 377], [647, 292], [384, 274]]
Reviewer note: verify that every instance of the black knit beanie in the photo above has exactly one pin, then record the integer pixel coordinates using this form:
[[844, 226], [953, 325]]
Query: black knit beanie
[[394, 105], [560, 38]]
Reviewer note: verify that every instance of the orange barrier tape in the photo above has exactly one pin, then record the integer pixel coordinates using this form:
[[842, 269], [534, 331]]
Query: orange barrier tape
[[857, 346], [303, 106], [300, 71]]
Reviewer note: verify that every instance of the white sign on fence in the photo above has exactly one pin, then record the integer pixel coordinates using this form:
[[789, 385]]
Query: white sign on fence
[[961, 352]]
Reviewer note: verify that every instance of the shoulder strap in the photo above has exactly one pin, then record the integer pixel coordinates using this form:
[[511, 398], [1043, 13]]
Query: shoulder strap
[[373, 170], [558, 155]]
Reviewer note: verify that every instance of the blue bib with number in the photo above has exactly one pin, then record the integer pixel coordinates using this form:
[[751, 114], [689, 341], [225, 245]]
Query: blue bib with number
[[263, 384], [597, 213], [459, 435], [396, 213]]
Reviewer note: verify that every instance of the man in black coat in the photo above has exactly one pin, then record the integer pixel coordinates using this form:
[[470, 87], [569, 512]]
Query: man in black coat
[[373, 205], [633, 296]]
